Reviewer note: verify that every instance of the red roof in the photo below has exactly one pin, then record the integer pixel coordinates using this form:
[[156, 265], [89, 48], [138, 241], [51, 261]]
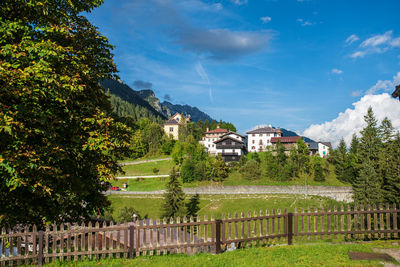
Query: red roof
[[287, 139], [218, 130]]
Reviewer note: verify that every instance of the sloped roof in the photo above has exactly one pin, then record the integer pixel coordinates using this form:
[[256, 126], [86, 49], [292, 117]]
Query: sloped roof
[[287, 139], [313, 145], [328, 144], [230, 132], [228, 137], [171, 122], [264, 130], [218, 130]]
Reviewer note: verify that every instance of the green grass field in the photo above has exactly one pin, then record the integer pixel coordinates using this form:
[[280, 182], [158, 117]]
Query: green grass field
[[234, 178], [218, 204], [297, 255], [164, 167]]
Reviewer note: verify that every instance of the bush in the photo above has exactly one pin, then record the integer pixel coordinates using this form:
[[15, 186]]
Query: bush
[[251, 170], [188, 171], [201, 171], [125, 214]]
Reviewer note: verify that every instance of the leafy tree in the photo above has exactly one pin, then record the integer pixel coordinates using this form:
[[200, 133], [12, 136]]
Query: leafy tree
[[188, 170], [193, 206], [168, 145], [58, 140], [217, 168], [138, 147], [178, 152], [174, 198], [201, 171], [126, 214], [251, 170]]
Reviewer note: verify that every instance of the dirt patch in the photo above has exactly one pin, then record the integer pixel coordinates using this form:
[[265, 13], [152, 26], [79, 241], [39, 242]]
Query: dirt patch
[[370, 256]]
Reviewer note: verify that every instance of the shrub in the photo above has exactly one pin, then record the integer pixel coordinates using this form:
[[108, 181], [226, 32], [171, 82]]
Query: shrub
[[251, 170]]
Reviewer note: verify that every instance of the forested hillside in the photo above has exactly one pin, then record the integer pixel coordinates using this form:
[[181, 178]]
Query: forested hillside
[[124, 92], [144, 103]]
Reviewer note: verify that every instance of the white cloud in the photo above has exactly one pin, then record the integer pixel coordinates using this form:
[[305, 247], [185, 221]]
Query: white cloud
[[203, 75], [395, 42], [384, 86], [265, 19], [376, 44], [378, 39], [337, 71], [352, 120], [356, 93], [239, 2], [358, 54], [304, 22], [352, 38]]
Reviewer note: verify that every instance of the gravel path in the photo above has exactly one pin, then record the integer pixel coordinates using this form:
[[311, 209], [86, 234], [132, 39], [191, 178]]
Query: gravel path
[[336, 192], [143, 161]]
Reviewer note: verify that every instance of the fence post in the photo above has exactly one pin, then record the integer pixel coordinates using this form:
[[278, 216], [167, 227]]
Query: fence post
[[131, 240], [40, 252], [218, 236], [290, 228]]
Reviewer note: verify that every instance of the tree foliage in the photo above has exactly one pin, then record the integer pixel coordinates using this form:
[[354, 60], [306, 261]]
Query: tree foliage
[[174, 198], [58, 140]]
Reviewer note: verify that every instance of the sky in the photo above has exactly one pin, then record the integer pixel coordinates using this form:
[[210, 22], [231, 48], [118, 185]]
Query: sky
[[310, 66]]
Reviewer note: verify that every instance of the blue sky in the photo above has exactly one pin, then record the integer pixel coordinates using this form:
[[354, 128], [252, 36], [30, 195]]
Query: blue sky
[[287, 63]]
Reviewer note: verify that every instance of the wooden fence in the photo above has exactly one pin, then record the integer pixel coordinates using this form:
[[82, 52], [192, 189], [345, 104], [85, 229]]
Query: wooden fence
[[26, 245]]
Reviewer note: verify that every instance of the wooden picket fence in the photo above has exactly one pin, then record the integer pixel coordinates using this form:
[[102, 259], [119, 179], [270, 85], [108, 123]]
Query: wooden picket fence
[[26, 245]]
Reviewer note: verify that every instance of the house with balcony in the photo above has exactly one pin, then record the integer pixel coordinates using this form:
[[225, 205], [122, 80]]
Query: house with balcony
[[260, 139], [210, 137], [231, 146]]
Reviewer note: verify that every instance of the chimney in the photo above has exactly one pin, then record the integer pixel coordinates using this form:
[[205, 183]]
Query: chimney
[[218, 126], [208, 129], [269, 125]]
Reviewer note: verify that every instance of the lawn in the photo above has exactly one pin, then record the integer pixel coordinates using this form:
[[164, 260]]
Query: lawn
[[217, 204], [164, 167], [297, 255]]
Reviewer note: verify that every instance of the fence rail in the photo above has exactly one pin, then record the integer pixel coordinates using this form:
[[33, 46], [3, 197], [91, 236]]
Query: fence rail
[[66, 242]]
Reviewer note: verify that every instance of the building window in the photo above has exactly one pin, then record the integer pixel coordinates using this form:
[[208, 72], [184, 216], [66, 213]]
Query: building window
[[254, 135], [254, 141], [208, 145], [253, 147], [171, 129]]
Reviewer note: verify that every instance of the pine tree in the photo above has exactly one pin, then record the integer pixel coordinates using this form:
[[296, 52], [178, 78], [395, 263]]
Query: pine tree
[[319, 174], [353, 165], [193, 206], [368, 186], [174, 198], [340, 160], [391, 184]]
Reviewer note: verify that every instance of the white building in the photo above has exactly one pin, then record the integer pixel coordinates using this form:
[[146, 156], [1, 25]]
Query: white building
[[322, 148], [210, 137], [231, 146], [260, 138]]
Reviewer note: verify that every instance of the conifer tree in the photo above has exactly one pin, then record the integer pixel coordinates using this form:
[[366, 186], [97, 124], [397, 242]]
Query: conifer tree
[[391, 183], [341, 160], [192, 207], [368, 186], [174, 198]]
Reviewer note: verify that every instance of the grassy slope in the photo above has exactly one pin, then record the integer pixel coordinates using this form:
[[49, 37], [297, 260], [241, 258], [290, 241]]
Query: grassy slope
[[218, 204], [164, 166], [298, 255]]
